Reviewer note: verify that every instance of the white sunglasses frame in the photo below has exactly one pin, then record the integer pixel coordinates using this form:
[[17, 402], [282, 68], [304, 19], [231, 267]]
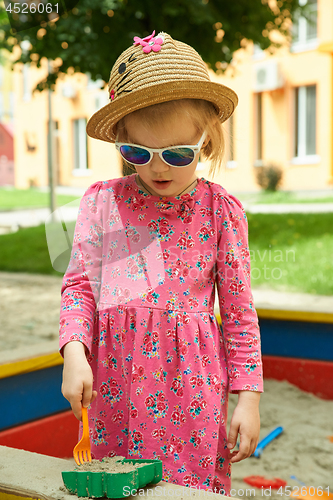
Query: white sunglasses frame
[[195, 148]]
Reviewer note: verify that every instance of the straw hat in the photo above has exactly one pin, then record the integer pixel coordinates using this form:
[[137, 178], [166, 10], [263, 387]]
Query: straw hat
[[156, 69]]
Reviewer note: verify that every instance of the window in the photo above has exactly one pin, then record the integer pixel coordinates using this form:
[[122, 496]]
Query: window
[[305, 122], [305, 27], [80, 147], [258, 130]]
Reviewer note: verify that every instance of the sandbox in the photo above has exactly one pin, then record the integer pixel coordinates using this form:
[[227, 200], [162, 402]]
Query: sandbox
[[31, 476]]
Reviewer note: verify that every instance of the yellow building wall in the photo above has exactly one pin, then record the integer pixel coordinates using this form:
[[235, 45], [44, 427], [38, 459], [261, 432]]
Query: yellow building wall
[[31, 124]]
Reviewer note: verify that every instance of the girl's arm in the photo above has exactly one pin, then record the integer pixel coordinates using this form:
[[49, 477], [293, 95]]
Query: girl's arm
[[81, 284], [245, 421], [80, 293], [77, 378], [240, 328]]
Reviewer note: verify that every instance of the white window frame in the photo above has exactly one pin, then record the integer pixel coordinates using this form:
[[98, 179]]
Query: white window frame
[[301, 157], [304, 43], [80, 145]]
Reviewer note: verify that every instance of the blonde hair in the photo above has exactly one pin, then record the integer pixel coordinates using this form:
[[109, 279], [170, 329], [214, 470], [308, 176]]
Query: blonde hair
[[201, 112]]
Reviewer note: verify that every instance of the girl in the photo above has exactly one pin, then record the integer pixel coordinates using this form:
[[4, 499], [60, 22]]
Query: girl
[[140, 341]]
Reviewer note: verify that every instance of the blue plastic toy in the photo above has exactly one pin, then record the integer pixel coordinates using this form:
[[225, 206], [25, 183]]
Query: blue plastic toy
[[264, 442]]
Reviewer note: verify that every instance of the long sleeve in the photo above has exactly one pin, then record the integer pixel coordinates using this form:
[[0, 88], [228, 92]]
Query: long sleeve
[[239, 318], [81, 283]]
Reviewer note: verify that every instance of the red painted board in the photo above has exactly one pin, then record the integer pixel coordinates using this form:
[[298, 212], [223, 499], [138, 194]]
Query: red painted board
[[55, 436], [307, 374]]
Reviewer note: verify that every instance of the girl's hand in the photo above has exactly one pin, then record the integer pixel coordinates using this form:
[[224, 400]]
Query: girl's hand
[[77, 378], [245, 421]]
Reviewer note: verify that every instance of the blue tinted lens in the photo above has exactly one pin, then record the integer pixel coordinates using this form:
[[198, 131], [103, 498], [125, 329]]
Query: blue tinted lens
[[135, 155], [178, 157]]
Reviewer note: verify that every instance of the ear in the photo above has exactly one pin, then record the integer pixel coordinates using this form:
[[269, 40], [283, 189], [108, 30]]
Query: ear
[[206, 141]]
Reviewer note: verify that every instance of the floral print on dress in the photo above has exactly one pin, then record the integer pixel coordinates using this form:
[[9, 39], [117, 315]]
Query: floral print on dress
[[156, 405], [139, 293]]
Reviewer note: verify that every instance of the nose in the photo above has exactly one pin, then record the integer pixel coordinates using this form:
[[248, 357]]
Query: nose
[[157, 164]]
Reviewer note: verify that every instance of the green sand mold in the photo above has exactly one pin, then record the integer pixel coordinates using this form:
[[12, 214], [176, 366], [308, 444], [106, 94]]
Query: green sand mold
[[84, 483]]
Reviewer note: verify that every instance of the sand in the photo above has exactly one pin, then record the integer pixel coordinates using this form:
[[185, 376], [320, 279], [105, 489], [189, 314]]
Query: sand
[[112, 465], [303, 449], [29, 309]]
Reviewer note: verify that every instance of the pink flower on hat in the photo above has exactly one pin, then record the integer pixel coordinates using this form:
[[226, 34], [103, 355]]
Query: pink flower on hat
[[149, 43]]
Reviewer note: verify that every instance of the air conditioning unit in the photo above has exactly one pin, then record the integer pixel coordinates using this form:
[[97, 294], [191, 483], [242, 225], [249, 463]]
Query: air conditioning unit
[[267, 76]]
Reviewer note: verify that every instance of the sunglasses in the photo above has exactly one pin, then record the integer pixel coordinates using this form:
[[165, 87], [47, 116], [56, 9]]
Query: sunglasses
[[177, 156]]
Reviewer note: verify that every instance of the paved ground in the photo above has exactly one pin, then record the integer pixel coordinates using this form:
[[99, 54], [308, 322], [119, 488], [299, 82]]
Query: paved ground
[[12, 220], [288, 208]]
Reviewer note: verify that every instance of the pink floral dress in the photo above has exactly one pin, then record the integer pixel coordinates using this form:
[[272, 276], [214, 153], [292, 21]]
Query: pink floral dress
[[139, 293]]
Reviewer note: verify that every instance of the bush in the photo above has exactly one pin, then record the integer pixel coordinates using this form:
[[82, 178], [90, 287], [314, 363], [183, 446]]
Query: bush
[[269, 177]]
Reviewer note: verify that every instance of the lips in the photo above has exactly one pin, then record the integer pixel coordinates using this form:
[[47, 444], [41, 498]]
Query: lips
[[162, 184]]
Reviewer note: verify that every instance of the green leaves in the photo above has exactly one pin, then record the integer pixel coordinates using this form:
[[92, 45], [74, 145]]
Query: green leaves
[[91, 36]]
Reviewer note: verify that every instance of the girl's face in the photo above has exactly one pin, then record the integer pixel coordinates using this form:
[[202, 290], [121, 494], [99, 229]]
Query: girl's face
[[160, 178]]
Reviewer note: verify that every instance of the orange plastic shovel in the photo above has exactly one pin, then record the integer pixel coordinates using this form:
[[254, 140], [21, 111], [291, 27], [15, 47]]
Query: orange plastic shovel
[[82, 451]]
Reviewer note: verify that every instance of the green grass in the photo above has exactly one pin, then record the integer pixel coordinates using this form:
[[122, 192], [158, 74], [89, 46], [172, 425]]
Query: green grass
[[291, 252], [12, 199], [26, 251]]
